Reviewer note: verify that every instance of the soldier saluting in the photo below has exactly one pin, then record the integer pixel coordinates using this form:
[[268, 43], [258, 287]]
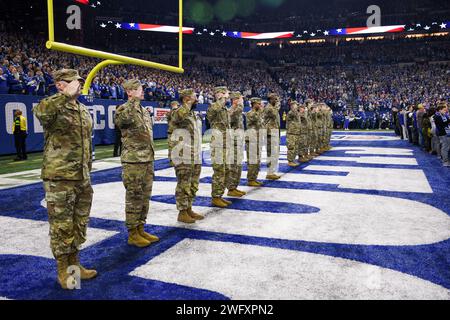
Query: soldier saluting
[[237, 125], [186, 154], [218, 117], [66, 172], [137, 159], [271, 120]]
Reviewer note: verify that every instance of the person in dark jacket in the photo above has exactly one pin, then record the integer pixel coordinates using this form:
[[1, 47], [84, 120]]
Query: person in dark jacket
[[442, 122]]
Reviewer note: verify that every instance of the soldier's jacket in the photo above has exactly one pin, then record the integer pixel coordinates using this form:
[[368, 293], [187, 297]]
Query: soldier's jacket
[[304, 123], [271, 117], [254, 121], [136, 127], [330, 120], [309, 121], [293, 122], [218, 118], [236, 121], [319, 120], [68, 143], [186, 119]]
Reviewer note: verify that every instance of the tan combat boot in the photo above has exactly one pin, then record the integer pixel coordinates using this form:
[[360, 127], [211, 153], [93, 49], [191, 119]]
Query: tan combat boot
[[253, 184], [85, 274], [303, 159], [62, 264], [293, 164], [272, 177], [218, 202], [234, 193], [150, 237], [195, 215], [135, 239], [184, 217], [241, 192], [226, 201]]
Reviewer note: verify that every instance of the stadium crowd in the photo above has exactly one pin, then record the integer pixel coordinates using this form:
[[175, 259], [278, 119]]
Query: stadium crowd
[[398, 76]]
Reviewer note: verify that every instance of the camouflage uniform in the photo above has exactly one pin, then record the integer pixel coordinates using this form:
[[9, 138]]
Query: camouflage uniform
[[317, 121], [254, 122], [310, 126], [218, 118], [66, 167], [137, 158], [330, 127], [187, 166], [174, 105], [235, 168], [303, 140], [292, 133], [271, 120]]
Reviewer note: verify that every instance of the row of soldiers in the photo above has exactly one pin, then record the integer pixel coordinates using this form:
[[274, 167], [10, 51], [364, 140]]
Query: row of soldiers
[[68, 159], [308, 131]]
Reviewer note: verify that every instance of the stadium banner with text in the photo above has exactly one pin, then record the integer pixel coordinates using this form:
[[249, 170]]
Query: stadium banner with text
[[101, 110]]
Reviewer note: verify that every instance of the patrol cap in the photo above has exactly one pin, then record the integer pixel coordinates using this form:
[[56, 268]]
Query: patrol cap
[[235, 95], [272, 95], [294, 102], [132, 84], [174, 103], [186, 92], [67, 75], [309, 101], [220, 90], [255, 100]]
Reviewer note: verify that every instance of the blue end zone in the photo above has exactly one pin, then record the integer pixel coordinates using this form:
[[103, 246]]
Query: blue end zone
[[28, 277]]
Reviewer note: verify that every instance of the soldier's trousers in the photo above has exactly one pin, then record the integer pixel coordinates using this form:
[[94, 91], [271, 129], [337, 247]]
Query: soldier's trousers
[[292, 144], [138, 181], [221, 170], [272, 155], [310, 141], [188, 176], [68, 206], [303, 145], [253, 162], [235, 168]]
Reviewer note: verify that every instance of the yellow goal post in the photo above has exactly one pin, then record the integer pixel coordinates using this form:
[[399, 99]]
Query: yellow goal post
[[111, 58]]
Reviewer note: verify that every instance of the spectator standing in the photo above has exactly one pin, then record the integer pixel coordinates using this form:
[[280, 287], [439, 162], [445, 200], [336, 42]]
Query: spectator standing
[[20, 134]]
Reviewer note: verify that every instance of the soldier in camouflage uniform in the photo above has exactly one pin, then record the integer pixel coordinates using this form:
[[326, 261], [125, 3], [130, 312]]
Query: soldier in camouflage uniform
[[137, 159], [66, 172], [237, 125], [252, 142], [218, 118], [293, 133], [309, 120], [330, 127], [303, 141], [271, 122], [186, 154], [173, 106]]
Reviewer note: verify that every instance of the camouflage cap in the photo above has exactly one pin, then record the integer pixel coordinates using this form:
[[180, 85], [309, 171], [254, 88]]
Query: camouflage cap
[[272, 95], [255, 100], [235, 95], [309, 101], [186, 92], [174, 103], [293, 102], [66, 75], [132, 84], [220, 90]]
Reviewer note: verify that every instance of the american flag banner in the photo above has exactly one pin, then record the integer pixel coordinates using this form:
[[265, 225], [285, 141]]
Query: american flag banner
[[153, 27], [366, 30]]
